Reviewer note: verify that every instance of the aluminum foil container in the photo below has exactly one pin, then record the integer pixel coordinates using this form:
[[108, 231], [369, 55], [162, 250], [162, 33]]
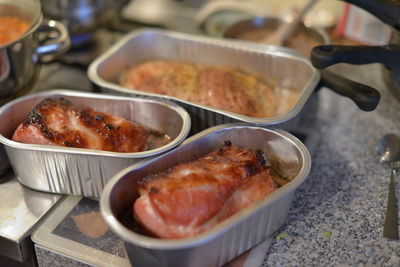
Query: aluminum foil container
[[286, 154], [286, 68], [79, 171]]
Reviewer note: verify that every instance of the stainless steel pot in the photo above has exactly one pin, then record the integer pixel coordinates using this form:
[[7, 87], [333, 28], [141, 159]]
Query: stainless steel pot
[[365, 97], [19, 59], [82, 17], [388, 55]]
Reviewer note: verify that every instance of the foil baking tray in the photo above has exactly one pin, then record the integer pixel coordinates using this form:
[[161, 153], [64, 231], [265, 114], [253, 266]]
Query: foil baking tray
[[228, 239], [287, 69], [79, 171]]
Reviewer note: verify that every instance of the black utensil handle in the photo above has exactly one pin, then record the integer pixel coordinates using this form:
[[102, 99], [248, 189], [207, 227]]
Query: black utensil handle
[[391, 228], [324, 56], [387, 11], [365, 97]]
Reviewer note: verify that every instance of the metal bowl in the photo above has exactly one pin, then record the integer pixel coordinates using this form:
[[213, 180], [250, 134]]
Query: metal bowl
[[301, 40], [19, 68]]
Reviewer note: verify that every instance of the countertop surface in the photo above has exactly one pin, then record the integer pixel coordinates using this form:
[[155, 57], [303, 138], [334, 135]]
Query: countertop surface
[[337, 215]]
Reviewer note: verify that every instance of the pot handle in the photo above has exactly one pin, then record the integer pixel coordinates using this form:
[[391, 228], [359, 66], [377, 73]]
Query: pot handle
[[56, 40], [324, 56], [387, 11], [365, 97]]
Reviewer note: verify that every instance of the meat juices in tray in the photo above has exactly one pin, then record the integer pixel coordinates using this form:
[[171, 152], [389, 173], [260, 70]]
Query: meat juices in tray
[[56, 121], [190, 198]]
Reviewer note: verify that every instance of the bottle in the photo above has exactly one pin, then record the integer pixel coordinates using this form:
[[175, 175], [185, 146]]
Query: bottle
[[358, 25]]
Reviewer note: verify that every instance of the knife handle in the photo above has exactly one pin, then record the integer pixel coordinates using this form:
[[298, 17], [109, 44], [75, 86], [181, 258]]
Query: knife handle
[[390, 228]]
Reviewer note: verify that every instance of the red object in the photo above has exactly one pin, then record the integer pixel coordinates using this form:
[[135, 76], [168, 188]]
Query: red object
[[340, 27], [361, 26], [56, 121], [193, 197]]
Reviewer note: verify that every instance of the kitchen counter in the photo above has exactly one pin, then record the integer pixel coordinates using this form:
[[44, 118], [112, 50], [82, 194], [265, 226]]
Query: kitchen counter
[[337, 215]]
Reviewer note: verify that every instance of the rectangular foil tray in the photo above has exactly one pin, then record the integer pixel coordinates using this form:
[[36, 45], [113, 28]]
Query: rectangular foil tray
[[78, 171], [233, 236], [286, 68]]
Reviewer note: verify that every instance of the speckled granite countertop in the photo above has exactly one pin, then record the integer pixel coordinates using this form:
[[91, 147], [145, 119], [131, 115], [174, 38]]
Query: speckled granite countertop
[[336, 218], [337, 215]]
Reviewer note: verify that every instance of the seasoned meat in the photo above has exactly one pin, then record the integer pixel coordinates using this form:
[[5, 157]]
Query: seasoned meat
[[215, 86], [171, 78], [232, 90], [192, 197], [56, 121]]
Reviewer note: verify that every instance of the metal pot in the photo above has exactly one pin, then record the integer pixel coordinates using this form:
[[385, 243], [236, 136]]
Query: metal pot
[[365, 97], [19, 68], [82, 17], [302, 39], [388, 55], [19, 59]]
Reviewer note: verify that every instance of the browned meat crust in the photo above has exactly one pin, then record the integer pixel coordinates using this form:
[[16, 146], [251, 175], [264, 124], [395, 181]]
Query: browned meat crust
[[56, 121]]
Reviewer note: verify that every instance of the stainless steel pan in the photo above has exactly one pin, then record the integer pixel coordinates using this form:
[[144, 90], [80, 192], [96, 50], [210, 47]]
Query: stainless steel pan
[[389, 55], [19, 68], [365, 97], [19, 59]]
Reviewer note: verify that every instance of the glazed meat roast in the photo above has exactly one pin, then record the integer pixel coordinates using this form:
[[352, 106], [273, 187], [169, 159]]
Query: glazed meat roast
[[192, 197], [57, 121]]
